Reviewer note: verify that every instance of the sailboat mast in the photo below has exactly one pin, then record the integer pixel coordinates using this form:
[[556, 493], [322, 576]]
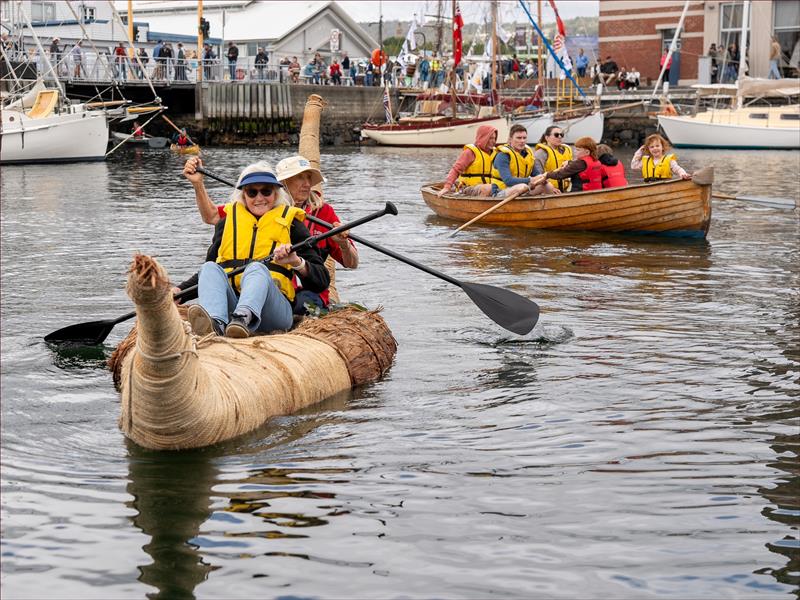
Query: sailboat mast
[[540, 49], [200, 52], [494, 49], [743, 46], [454, 98]]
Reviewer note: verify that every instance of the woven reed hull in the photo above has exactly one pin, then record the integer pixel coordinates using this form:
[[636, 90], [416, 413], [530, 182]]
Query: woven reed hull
[[179, 392], [675, 207], [185, 150]]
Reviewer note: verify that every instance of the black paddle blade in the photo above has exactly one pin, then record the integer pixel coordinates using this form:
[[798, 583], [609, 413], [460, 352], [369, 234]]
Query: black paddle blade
[[88, 334], [506, 308]]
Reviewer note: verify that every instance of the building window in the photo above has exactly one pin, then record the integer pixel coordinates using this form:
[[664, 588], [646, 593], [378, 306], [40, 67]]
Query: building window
[[252, 49], [43, 11], [786, 26], [730, 29], [88, 14]]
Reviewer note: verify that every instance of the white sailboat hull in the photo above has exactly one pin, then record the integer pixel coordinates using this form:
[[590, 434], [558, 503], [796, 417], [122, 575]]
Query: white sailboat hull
[[447, 135], [66, 137], [727, 129], [586, 126]]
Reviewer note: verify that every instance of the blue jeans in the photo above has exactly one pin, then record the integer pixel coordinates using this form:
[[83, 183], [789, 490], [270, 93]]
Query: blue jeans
[[773, 69], [304, 297], [232, 68], [260, 295]]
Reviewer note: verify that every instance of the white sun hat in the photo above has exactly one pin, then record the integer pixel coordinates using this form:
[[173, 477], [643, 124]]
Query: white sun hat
[[289, 167]]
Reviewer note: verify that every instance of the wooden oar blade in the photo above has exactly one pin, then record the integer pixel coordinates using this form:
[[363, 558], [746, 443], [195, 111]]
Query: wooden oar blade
[[91, 333], [506, 308]]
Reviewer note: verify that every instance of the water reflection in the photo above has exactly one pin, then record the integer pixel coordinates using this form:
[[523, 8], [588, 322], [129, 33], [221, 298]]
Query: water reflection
[[172, 495]]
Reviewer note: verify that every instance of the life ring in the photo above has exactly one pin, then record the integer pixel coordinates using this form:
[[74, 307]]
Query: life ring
[[379, 57]]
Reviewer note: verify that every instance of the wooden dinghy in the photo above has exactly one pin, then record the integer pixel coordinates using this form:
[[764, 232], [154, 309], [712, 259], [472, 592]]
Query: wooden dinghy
[[179, 391], [675, 207], [195, 149]]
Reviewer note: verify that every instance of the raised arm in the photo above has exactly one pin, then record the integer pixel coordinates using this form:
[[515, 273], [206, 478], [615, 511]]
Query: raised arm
[[207, 209]]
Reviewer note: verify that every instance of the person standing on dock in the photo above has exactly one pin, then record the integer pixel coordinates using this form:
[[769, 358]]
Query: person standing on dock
[[233, 57], [77, 58], [581, 62], [55, 54], [121, 61], [261, 64]]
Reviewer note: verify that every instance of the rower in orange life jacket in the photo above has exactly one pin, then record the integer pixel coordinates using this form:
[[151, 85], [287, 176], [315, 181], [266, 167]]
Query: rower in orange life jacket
[[613, 169]]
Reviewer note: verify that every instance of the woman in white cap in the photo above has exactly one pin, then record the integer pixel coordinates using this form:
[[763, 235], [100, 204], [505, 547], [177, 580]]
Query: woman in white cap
[[299, 176], [259, 221]]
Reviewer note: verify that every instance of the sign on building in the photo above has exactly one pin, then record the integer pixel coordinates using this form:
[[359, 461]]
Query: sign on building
[[336, 37], [519, 38]]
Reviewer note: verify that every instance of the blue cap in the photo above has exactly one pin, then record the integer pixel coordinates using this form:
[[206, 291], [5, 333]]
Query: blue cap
[[259, 177]]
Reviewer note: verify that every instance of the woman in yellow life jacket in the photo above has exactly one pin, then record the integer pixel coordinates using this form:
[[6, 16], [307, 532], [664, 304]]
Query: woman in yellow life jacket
[[655, 163], [473, 167], [552, 153], [259, 220], [513, 167]]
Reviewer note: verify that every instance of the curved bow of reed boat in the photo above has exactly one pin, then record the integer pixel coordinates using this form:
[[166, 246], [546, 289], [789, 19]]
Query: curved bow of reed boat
[[179, 391]]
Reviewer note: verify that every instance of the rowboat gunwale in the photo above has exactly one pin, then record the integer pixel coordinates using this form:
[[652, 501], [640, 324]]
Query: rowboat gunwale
[[675, 207]]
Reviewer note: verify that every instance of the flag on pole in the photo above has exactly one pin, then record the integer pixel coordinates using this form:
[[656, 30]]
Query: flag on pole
[[387, 104], [559, 22], [458, 24]]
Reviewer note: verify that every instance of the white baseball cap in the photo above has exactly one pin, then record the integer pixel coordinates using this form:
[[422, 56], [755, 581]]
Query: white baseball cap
[[289, 167]]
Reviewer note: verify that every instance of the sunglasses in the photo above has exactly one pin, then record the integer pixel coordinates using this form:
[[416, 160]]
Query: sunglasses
[[557, 135], [252, 192]]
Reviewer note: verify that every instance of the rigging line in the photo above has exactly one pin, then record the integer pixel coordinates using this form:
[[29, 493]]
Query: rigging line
[[135, 54], [132, 134], [41, 50]]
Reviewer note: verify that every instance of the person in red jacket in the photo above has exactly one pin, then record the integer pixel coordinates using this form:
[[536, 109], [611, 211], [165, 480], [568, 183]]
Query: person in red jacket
[[584, 170], [612, 167]]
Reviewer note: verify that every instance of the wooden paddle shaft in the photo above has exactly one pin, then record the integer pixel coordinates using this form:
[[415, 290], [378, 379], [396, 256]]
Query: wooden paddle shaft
[[489, 210], [178, 129]]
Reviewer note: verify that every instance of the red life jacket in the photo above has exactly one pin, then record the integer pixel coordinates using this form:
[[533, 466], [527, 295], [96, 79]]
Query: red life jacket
[[183, 140], [614, 176], [592, 175]]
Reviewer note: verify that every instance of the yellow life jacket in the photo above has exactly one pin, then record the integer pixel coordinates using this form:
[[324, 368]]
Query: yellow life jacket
[[556, 160], [654, 172], [480, 169], [246, 239], [520, 166]]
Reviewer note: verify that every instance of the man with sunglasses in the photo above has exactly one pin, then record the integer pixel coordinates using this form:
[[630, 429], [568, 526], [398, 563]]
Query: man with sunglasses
[[259, 221]]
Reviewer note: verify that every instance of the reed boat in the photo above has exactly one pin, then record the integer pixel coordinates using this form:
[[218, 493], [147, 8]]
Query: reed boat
[[195, 149], [676, 207], [179, 391]]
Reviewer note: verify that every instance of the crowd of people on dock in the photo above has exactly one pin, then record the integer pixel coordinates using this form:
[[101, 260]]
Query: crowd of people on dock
[[486, 168]]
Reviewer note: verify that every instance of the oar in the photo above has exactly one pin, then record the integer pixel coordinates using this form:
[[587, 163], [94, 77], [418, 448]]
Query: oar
[[94, 332], [176, 128], [506, 308], [777, 202], [488, 210]]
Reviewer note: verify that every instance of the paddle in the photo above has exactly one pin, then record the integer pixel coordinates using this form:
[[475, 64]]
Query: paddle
[[488, 210], [506, 308], [94, 332], [777, 202]]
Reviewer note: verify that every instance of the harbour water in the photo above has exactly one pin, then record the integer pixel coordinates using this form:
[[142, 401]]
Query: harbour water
[[641, 442]]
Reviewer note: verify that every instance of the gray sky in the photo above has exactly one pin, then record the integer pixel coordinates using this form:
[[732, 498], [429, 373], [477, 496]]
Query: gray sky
[[471, 10]]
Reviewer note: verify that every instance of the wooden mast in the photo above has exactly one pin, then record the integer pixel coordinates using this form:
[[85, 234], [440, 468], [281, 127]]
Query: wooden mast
[[200, 53], [453, 97], [539, 65], [494, 53]]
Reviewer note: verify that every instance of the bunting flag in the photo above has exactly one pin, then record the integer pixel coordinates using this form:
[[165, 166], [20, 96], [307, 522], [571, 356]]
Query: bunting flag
[[559, 22], [458, 23], [387, 106]]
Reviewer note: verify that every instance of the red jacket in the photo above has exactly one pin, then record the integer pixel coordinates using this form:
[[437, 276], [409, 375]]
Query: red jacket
[[592, 175], [614, 175]]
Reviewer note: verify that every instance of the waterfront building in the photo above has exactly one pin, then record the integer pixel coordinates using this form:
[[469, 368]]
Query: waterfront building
[[636, 32]]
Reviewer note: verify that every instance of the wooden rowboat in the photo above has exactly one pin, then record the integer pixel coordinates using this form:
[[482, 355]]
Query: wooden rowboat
[[179, 391], [675, 207], [185, 149]]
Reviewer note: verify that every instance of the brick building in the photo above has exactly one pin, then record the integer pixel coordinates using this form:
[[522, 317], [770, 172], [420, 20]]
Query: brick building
[[635, 33]]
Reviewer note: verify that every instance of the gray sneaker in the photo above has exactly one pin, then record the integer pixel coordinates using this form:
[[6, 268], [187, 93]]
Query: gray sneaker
[[237, 327], [201, 322]]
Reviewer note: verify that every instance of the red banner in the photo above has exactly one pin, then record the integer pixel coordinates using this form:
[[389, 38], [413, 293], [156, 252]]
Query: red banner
[[458, 23], [559, 22]]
